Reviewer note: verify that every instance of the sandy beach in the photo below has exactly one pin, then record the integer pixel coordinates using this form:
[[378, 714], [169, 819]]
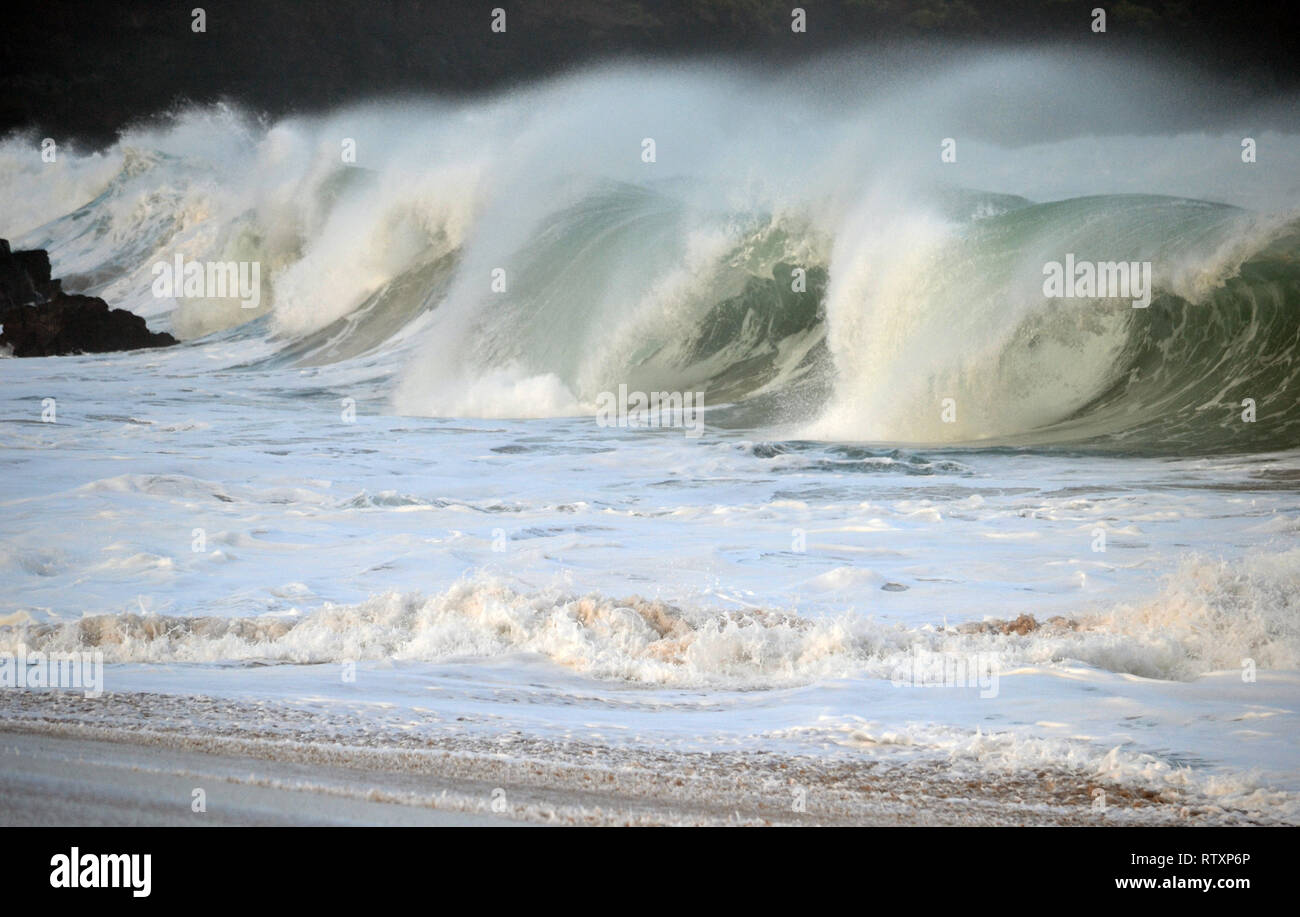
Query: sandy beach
[[69, 760]]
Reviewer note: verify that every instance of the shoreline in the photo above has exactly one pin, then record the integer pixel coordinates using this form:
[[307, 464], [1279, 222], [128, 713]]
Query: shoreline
[[134, 758]]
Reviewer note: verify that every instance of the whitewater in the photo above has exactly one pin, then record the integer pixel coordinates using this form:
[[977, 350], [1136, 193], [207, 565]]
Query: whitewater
[[381, 496]]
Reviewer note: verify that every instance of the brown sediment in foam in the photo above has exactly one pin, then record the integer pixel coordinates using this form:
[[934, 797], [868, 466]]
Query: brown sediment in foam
[[1021, 626], [636, 630], [113, 630]]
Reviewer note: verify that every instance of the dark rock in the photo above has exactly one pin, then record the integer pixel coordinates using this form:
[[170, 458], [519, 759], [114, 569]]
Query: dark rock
[[75, 324], [37, 319], [16, 287], [35, 262]]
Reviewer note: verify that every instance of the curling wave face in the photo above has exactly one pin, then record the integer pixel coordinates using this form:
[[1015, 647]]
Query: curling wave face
[[750, 239]]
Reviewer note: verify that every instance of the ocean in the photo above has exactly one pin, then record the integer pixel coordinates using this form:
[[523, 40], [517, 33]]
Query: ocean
[[927, 515]]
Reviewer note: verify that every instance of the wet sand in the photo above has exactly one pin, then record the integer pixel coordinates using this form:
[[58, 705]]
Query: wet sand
[[136, 759]]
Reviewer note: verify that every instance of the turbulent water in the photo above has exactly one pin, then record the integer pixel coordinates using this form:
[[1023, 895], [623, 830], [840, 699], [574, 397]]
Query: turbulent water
[[796, 251]]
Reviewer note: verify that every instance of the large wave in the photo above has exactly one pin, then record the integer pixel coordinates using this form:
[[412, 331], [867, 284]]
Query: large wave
[[795, 248]]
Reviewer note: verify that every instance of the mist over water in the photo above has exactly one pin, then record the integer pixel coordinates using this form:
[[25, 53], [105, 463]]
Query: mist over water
[[673, 275]]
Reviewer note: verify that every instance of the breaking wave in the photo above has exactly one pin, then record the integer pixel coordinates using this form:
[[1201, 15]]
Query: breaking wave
[[1210, 617], [802, 257]]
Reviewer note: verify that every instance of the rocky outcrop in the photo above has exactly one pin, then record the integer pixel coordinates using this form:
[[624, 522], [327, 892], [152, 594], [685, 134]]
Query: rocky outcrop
[[37, 319], [25, 277]]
